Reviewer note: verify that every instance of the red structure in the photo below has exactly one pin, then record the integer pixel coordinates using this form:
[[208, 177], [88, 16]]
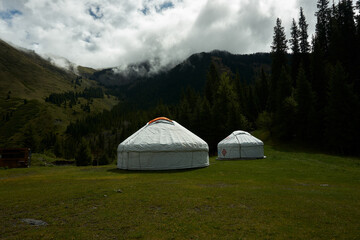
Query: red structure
[[15, 157]]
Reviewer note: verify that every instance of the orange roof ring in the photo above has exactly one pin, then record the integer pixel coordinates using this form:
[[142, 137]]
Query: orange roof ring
[[160, 118]]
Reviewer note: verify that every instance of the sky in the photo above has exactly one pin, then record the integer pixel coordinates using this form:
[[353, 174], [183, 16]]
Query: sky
[[113, 33]]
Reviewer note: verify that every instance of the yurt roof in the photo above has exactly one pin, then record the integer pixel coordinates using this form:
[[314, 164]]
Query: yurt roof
[[241, 137], [163, 135]]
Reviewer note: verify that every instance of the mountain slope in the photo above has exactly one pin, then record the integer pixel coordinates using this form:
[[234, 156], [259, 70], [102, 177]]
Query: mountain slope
[[26, 75], [147, 89]]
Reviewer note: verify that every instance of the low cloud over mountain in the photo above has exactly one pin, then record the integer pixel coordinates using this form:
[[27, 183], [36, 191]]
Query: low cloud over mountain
[[115, 33]]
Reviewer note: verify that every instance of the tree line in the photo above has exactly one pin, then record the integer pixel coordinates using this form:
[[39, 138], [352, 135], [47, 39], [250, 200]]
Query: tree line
[[72, 97]]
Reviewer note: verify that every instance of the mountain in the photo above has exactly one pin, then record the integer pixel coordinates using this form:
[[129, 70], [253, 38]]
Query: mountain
[[26, 80], [137, 84]]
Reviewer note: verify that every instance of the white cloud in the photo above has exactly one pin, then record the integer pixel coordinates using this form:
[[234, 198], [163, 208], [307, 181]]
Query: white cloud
[[108, 33]]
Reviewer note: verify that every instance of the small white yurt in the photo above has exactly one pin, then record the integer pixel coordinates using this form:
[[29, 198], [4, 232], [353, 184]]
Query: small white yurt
[[240, 144], [162, 144]]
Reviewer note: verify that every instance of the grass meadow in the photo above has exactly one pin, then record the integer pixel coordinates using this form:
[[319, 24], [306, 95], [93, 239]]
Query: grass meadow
[[292, 194]]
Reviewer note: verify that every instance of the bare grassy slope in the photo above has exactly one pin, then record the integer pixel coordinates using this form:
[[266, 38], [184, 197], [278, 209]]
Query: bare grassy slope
[[29, 76]]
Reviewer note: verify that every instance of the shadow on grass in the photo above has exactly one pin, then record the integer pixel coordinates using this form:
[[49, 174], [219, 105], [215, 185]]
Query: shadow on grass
[[299, 148], [125, 171]]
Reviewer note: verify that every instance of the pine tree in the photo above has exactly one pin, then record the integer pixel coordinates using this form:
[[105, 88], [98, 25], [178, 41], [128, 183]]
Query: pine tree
[[319, 61], [357, 62], [358, 19], [279, 44], [322, 27], [348, 28], [295, 35], [226, 107], [303, 27], [335, 48], [295, 48], [278, 52], [343, 42]]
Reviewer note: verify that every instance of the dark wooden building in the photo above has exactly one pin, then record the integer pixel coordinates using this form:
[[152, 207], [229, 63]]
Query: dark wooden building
[[15, 157]]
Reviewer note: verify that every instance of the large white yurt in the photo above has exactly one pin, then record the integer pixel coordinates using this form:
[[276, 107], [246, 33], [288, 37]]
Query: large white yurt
[[240, 144], [162, 144]]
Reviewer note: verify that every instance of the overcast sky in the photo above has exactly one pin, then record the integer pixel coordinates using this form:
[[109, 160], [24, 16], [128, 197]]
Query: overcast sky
[[109, 33]]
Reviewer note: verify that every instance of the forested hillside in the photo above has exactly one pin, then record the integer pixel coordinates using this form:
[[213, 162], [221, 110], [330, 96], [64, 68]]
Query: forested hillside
[[144, 88], [313, 99]]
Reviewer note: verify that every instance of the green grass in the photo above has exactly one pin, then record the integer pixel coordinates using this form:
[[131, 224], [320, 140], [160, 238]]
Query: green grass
[[288, 195], [45, 159], [22, 114]]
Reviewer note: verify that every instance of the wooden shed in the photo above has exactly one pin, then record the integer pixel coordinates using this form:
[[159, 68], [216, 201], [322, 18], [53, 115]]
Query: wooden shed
[[15, 157]]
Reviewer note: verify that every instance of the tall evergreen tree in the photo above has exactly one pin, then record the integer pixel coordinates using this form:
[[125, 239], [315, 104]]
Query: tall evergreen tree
[[279, 45], [348, 31], [226, 108], [303, 27], [357, 6], [295, 48], [278, 51], [322, 27], [295, 35], [334, 49], [343, 42], [357, 73], [319, 61]]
